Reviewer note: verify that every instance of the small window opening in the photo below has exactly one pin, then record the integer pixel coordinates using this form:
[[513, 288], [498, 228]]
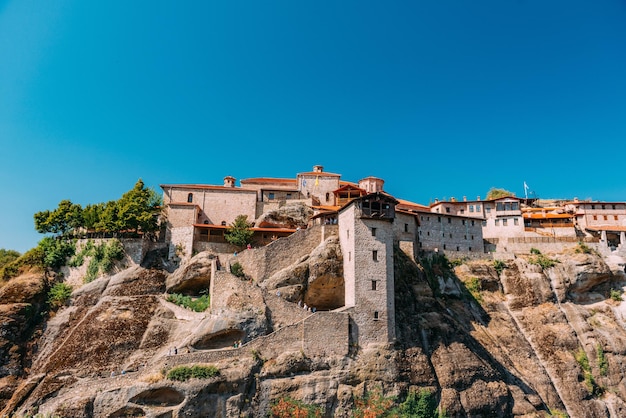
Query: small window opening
[[375, 255], [190, 198], [373, 284], [376, 315], [373, 232]]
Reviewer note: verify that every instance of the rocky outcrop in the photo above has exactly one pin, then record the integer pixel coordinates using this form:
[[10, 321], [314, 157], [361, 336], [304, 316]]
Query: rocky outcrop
[[292, 215], [483, 342]]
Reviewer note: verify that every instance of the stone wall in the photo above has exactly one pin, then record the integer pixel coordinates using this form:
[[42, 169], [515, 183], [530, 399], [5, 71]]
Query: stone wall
[[320, 334], [443, 233], [261, 263], [326, 333], [522, 245], [182, 237]]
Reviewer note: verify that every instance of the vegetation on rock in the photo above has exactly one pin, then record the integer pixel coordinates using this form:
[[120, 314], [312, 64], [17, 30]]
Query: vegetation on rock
[[291, 408], [59, 294], [495, 193], [199, 304], [182, 373]]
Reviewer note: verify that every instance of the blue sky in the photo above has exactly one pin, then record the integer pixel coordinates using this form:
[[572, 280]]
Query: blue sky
[[440, 98]]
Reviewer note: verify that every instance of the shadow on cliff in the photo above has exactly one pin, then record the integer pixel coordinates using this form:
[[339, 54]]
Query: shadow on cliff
[[435, 325]]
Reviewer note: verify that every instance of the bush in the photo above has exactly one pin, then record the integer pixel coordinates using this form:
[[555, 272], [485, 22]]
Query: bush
[[288, 408], [499, 265], [543, 261], [374, 404], [92, 270], [422, 404], [56, 251], [535, 251], [583, 248], [59, 294], [616, 295], [199, 304], [182, 373], [237, 270]]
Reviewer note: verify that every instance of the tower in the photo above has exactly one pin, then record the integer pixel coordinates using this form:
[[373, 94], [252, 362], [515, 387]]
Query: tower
[[366, 236]]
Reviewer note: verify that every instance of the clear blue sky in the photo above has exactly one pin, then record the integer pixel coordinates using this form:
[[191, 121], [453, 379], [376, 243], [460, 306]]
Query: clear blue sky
[[440, 98]]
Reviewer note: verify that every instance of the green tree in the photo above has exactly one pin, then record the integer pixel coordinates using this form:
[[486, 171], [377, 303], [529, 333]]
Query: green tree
[[422, 405], [7, 256], [239, 232], [137, 209], [66, 217], [495, 193]]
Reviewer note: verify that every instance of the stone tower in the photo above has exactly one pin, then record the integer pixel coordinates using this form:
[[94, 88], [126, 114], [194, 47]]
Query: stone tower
[[366, 236]]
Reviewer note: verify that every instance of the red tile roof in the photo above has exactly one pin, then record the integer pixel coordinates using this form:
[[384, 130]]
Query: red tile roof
[[206, 187]]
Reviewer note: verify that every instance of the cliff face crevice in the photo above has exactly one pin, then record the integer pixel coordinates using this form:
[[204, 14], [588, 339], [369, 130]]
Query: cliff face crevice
[[522, 341]]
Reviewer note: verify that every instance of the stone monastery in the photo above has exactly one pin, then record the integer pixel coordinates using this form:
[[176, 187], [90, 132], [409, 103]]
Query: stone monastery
[[371, 224]]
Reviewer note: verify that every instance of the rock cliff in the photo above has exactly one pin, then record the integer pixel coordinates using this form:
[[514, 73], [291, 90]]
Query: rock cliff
[[486, 339]]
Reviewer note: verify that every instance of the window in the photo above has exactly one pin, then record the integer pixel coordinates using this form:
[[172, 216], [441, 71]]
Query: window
[[223, 223], [447, 210], [471, 208], [463, 221], [515, 221], [288, 195], [349, 256], [593, 206], [514, 205], [483, 223], [457, 248], [488, 209], [603, 207], [464, 236], [504, 222], [190, 198], [373, 232], [428, 233], [470, 249], [472, 223], [472, 237], [327, 196], [375, 314], [438, 218], [406, 227], [497, 222], [450, 235], [375, 255], [462, 211], [615, 217], [373, 284], [347, 233], [449, 220], [606, 217], [271, 196], [613, 207], [444, 246], [595, 217], [422, 217], [477, 208]]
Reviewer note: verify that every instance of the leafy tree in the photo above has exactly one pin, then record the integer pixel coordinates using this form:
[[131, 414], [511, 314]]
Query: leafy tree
[[495, 193], [65, 217], [136, 209], [239, 232], [55, 251], [92, 215], [7, 256]]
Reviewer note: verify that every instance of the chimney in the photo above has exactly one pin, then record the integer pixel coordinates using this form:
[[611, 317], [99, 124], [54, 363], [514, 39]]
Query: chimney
[[229, 181], [318, 168], [465, 198], [453, 199], [436, 200], [478, 198]]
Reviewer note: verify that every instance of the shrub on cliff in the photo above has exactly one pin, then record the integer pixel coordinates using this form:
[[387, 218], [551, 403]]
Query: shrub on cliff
[[59, 294], [182, 373], [290, 408]]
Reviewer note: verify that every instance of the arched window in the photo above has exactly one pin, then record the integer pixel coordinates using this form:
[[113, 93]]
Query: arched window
[[327, 196], [190, 198]]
